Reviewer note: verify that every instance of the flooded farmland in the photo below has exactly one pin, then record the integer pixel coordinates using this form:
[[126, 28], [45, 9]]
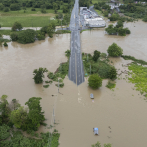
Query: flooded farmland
[[120, 114]]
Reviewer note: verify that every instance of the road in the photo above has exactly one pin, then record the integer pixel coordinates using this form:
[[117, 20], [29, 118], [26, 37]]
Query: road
[[76, 71]]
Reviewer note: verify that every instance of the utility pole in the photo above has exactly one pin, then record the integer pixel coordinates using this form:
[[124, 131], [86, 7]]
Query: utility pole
[[58, 85], [90, 69]]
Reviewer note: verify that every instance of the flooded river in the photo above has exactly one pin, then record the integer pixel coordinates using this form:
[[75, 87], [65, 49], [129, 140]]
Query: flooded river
[[120, 114]]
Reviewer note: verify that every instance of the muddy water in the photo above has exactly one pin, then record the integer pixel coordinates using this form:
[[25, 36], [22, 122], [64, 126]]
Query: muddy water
[[119, 114]]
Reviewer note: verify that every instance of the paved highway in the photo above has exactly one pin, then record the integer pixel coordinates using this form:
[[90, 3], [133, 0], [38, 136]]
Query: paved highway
[[76, 71]]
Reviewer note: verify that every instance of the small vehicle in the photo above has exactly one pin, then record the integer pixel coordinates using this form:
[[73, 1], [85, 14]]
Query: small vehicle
[[96, 131], [91, 96]]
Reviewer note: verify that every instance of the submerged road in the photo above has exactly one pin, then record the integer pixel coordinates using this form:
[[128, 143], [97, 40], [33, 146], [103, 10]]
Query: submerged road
[[76, 70]]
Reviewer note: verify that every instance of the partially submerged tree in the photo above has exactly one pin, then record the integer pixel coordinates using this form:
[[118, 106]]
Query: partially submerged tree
[[19, 117], [114, 50], [95, 81], [4, 110], [26, 36], [51, 29], [39, 75], [35, 115], [112, 73], [96, 55]]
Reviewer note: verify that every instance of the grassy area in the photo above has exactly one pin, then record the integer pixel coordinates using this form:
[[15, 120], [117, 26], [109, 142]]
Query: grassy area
[[99, 12], [27, 17], [62, 31], [5, 32], [139, 77], [26, 21]]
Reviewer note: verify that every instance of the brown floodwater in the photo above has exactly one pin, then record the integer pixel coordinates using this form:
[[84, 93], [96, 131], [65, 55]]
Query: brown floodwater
[[120, 114]]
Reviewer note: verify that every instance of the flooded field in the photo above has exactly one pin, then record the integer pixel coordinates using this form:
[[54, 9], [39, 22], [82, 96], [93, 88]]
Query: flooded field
[[120, 114]]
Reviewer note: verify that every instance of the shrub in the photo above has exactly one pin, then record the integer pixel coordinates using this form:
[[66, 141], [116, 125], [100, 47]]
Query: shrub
[[26, 36], [110, 85], [14, 7], [127, 31], [114, 50], [145, 19], [33, 9], [17, 26], [0, 35], [44, 29], [1, 6], [103, 55], [95, 81], [43, 11], [14, 36], [6, 9], [40, 36], [5, 44], [112, 73]]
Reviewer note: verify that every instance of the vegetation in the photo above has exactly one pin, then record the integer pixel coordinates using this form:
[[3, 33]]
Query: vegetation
[[22, 119], [26, 36], [114, 50], [98, 144], [138, 77], [5, 44], [46, 86], [136, 11], [126, 57], [17, 26], [118, 29], [96, 55], [110, 85], [112, 73], [62, 31], [35, 14], [94, 81], [100, 67], [39, 75]]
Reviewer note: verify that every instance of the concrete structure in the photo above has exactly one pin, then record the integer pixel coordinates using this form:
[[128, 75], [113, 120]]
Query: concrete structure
[[76, 70], [91, 18]]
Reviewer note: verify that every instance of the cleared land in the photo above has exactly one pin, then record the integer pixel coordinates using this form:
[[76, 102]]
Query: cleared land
[[27, 17]]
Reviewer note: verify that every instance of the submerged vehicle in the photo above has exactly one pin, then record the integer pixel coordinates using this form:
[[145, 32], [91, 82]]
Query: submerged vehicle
[[91, 96]]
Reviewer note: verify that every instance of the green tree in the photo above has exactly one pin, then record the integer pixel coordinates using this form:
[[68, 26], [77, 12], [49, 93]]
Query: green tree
[[17, 26], [119, 24], [95, 81], [15, 104], [51, 29], [35, 115], [96, 55], [6, 9], [114, 50], [19, 117], [121, 31], [1, 6], [39, 75], [4, 110], [26, 36], [15, 7], [4, 133], [112, 73]]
